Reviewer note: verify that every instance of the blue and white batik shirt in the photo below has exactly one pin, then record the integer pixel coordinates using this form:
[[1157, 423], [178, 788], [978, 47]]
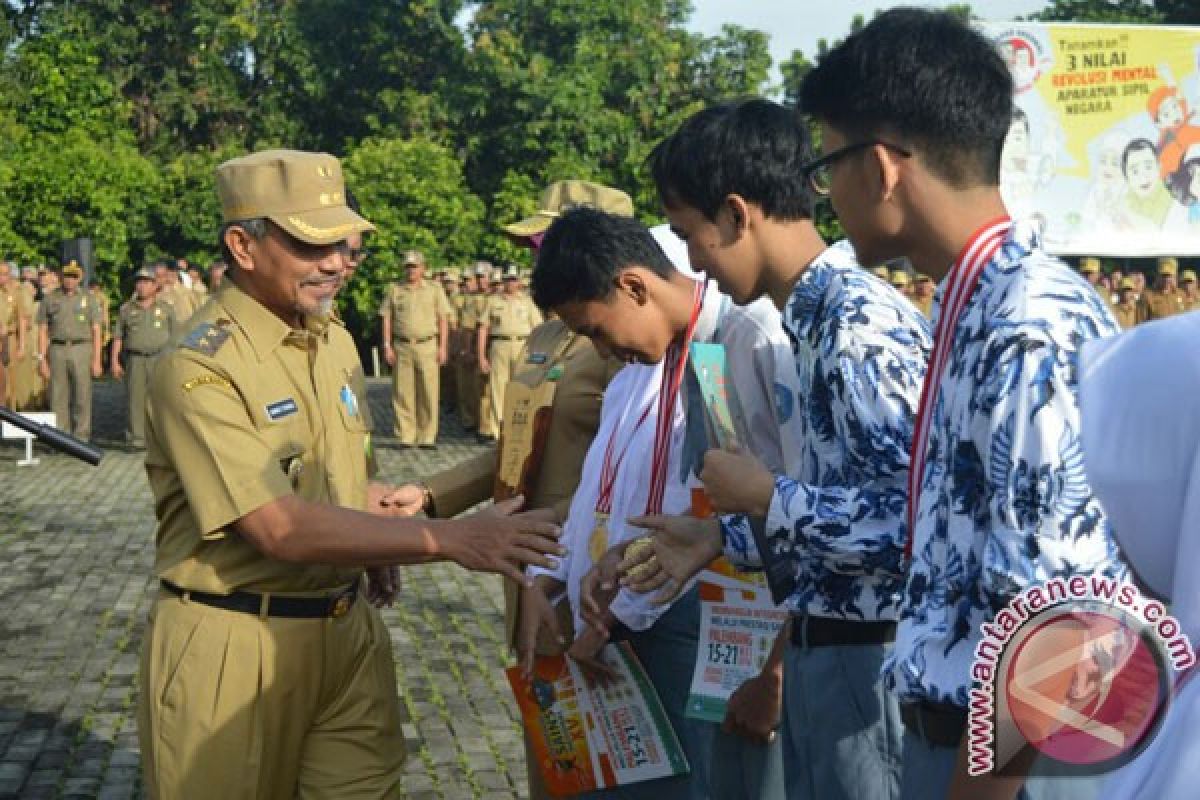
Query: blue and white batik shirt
[[833, 541], [1004, 502]]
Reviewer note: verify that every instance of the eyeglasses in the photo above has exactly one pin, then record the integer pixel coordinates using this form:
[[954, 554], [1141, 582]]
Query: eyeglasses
[[356, 254], [819, 172]]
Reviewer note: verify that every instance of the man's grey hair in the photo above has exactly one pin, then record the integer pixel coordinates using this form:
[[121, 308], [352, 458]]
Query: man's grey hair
[[257, 228]]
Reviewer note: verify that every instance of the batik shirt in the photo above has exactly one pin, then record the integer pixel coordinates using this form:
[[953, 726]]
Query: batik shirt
[[833, 540], [1003, 503]]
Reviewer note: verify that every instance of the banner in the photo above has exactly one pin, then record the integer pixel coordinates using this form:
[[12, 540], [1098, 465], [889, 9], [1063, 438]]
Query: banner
[[587, 736], [738, 626], [1104, 148]]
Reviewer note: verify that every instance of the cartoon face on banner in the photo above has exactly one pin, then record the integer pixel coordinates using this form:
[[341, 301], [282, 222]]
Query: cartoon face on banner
[[1104, 145]]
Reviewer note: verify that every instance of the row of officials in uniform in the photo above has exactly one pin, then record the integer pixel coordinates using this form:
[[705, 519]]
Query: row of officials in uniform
[[59, 335]]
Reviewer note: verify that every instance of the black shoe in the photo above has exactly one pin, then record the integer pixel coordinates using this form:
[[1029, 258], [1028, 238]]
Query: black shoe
[[428, 447], [483, 438], [406, 445]]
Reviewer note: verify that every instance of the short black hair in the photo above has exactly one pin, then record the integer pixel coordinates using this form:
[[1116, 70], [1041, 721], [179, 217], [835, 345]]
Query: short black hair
[[583, 252], [1131, 148], [926, 78], [753, 148]]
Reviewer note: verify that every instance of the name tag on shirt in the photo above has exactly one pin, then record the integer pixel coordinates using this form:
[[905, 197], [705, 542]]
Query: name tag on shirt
[[349, 401], [282, 408], [538, 358]]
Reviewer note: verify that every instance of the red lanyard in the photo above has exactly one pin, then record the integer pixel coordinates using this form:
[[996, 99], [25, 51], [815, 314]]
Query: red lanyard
[[964, 277], [674, 364]]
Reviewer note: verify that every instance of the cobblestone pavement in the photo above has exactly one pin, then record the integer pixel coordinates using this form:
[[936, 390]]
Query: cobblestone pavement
[[76, 543]]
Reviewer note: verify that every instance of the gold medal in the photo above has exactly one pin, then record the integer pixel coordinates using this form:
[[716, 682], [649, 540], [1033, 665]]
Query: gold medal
[[636, 549], [598, 543]]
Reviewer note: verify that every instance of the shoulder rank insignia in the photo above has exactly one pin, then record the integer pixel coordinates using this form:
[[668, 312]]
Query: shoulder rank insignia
[[206, 338]]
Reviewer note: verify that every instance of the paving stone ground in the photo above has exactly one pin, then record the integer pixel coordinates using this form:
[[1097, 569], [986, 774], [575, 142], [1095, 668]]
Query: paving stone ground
[[76, 545]]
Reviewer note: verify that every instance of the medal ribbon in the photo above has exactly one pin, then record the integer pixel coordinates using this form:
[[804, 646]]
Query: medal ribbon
[[960, 286], [674, 369]]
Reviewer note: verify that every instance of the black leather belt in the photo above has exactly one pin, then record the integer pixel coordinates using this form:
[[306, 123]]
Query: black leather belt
[[510, 338], [406, 340], [937, 724], [335, 605], [144, 353], [810, 631], [69, 341]]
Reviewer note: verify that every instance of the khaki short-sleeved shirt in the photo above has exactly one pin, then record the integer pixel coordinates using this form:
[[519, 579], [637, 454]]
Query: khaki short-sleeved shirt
[[244, 410], [1160, 305], [512, 315], [452, 315], [145, 330], [182, 300], [414, 310], [69, 317]]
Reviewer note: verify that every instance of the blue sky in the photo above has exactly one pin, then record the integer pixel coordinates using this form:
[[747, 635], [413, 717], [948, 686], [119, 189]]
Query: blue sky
[[798, 24]]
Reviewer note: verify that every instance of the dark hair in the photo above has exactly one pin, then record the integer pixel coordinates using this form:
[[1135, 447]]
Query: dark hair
[[1131, 148], [926, 78], [753, 148], [583, 252], [1180, 182]]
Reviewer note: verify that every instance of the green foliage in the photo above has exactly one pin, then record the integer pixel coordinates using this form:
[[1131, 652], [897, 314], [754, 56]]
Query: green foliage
[[1135, 11]]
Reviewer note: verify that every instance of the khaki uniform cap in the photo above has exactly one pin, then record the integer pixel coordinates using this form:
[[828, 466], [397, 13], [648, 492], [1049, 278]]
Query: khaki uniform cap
[[1168, 266], [144, 274], [450, 275], [303, 193], [497, 275], [881, 272], [72, 270], [1089, 265], [562, 196], [1188, 275], [414, 258], [1127, 283], [900, 278]]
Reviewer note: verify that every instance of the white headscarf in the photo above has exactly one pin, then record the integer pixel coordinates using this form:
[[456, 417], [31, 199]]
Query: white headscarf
[[1141, 443]]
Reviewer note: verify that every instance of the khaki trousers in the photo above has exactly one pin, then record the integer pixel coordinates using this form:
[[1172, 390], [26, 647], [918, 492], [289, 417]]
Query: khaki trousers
[[415, 391], [71, 387], [137, 381], [504, 357], [237, 706]]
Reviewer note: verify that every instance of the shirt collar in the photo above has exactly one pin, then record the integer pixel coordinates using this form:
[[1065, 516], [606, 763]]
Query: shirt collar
[[262, 328], [804, 304]]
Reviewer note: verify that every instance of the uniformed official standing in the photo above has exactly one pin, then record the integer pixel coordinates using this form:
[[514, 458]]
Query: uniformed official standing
[[416, 319], [1165, 299], [69, 347], [510, 318], [448, 388], [466, 366], [1127, 309], [16, 308], [489, 281], [144, 326], [552, 354], [1191, 297], [922, 296], [264, 674], [172, 292]]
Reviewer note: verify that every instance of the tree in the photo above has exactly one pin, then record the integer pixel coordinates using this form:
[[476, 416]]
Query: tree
[[1135, 11]]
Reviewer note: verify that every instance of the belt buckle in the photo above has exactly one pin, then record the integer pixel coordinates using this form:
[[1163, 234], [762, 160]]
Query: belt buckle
[[341, 606]]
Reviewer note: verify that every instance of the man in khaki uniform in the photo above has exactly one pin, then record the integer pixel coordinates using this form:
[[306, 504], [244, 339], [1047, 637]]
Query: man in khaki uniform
[[144, 326], [69, 348], [1127, 309], [264, 673], [17, 308], [552, 354], [922, 296], [483, 274], [448, 389], [466, 370], [172, 292], [901, 283], [416, 320], [1165, 299], [1187, 284], [510, 318], [100, 298]]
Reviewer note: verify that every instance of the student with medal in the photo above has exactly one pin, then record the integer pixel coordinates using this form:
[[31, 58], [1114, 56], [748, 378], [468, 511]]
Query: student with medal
[[557, 388], [609, 279]]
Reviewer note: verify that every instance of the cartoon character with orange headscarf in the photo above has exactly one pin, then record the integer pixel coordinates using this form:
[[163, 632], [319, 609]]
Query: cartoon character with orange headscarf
[[1176, 133]]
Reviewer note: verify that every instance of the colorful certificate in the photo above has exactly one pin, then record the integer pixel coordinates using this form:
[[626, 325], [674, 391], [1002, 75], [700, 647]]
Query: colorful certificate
[[738, 625], [590, 737]]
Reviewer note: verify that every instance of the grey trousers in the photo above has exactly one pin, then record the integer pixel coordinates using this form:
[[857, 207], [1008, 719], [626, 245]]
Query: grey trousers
[[841, 729], [744, 770]]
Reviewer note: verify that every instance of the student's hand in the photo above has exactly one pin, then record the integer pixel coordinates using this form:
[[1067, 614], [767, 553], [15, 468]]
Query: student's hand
[[97, 368], [117, 370], [755, 707], [682, 546], [585, 650], [44, 369], [485, 367], [737, 482], [598, 589], [441, 356], [389, 355], [383, 585], [534, 612], [493, 540]]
